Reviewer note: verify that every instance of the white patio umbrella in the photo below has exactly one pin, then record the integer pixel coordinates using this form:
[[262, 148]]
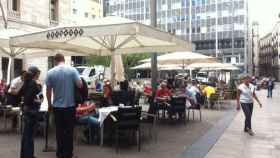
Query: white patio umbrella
[[160, 67], [119, 69], [213, 66], [182, 58], [7, 50], [104, 36]]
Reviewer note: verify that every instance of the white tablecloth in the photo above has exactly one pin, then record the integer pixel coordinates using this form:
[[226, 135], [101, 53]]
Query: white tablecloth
[[104, 112]]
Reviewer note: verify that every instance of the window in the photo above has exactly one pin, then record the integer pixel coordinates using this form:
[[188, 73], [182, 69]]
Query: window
[[15, 6], [86, 14], [54, 10], [92, 73], [228, 60], [74, 11]]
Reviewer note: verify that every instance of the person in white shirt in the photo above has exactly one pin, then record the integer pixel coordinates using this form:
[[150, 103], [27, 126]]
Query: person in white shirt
[[245, 98], [15, 86], [12, 97]]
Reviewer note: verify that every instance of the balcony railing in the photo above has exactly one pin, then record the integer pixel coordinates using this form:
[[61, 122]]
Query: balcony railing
[[13, 14], [53, 22]]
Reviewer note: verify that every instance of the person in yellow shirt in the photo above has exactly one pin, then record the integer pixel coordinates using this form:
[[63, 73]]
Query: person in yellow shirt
[[208, 91]]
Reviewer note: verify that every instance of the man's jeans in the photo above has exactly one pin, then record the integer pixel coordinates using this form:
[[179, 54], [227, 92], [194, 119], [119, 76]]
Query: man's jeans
[[248, 111], [65, 122], [27, 142], [269, 92]]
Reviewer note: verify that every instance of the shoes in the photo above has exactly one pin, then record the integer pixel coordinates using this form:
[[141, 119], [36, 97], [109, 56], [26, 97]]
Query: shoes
[[249, 131]]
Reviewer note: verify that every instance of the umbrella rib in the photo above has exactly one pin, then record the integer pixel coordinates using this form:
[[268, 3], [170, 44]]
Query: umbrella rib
[[70, 39], [113, 41], [138, 42], [100, 43], [104, 42], [20, 51], [127, 40], [5, 51]]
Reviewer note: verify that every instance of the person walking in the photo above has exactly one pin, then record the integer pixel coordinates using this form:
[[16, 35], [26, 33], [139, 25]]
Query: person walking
[[245, 98], [32, 99], [270, 86], [61, 81]]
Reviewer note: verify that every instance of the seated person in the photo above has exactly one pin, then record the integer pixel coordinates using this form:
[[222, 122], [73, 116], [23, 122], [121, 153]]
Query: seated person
[[86, 114], [191, 93], [107, 93], [2, 91], [163, 94], [147, 89], [208, 91]]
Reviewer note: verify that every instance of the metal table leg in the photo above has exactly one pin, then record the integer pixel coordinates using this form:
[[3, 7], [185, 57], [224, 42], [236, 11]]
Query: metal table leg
[[101, 134], [5, 119]]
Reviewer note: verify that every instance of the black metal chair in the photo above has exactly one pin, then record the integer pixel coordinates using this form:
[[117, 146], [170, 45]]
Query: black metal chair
[[194, 107], [128, 119], [178, 106]]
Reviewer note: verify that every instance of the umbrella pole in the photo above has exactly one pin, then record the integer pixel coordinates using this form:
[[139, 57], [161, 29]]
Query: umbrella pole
[[11, 69], [113, 69]]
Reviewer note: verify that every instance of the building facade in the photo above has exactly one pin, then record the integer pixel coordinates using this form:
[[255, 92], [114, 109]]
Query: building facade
[[216, 27], [35, 15], [86, 10], [269, 54]]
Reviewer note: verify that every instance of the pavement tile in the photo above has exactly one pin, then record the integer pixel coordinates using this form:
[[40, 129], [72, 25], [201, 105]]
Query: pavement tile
[[266, 142]]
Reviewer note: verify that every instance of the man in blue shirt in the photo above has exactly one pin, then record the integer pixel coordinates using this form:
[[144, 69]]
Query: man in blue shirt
[[61, 81]]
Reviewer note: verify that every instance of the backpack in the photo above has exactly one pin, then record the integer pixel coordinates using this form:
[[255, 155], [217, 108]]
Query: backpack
[[81, 94]]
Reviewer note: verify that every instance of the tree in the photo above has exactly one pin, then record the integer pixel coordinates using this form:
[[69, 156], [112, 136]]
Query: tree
[[98, 60], [129, 60]]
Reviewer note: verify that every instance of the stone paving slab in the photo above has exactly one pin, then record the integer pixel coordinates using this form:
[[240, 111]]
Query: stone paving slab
[[234, 143], [173, 139]]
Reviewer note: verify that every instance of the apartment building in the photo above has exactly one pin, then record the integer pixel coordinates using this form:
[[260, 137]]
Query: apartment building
[[215, 27]]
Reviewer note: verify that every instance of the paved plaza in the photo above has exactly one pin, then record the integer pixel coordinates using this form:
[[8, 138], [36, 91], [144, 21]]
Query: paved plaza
[[234, 143], [219, 135]]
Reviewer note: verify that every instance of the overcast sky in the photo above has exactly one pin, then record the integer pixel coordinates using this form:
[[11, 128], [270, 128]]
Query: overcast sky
[[265, 12]]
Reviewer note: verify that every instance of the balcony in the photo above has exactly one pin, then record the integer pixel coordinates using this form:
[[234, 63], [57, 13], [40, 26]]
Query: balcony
[[12, 14], [53, 23]]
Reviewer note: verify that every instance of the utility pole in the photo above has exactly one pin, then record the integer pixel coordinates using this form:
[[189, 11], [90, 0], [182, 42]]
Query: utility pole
[[153, 13], [254, 45]]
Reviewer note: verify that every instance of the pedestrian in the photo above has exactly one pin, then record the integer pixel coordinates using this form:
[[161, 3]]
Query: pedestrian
[[32, 99], [61, 82], [2, 91], [245, 97], [270, 86]]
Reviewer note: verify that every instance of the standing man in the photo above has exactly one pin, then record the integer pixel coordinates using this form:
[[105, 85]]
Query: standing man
[[61, 81], [270, 86]]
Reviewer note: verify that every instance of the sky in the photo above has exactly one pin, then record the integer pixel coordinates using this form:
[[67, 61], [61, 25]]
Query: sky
[[265, 12]]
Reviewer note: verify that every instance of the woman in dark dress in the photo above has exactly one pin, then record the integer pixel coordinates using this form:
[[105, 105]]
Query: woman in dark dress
[[32, 99]]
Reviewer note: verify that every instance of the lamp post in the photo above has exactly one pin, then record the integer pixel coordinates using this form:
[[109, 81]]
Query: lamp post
[[153, 13], [254, 51]]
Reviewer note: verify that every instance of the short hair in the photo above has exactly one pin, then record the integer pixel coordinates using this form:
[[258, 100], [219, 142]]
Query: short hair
[[23, 72], [59, 57]]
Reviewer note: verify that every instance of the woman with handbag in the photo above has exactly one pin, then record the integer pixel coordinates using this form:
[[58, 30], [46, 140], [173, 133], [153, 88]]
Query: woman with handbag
[[32, 99]]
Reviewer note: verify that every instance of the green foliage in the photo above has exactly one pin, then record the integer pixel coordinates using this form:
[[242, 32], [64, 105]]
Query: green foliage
[[98, 60], [131, 60]]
